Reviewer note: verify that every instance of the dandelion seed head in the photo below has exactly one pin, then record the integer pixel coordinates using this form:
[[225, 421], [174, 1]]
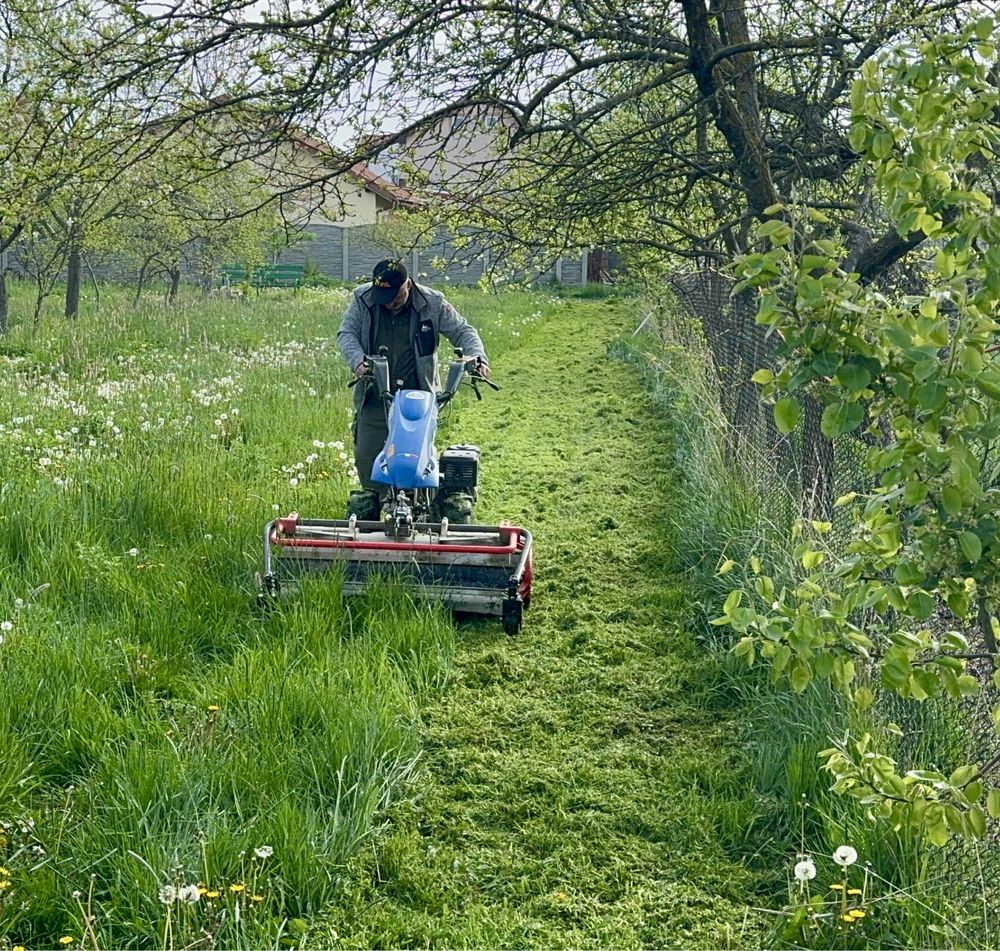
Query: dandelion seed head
[[805, 870], [845, 856], [264, 851], [168, 894]]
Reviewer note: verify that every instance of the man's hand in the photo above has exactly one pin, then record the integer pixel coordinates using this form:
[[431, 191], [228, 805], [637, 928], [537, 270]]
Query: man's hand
[[363, 368], [482, 368]]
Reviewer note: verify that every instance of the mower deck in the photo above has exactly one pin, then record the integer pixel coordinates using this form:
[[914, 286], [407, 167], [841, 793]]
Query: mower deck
[[481, 569]]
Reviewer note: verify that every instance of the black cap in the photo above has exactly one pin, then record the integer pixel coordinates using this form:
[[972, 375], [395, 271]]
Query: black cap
[[387, 278]]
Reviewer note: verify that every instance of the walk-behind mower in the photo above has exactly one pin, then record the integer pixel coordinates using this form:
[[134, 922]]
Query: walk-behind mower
[[425, 537]]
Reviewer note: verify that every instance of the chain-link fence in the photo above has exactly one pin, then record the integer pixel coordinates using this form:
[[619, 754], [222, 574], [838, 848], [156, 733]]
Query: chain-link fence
[[803, 473]]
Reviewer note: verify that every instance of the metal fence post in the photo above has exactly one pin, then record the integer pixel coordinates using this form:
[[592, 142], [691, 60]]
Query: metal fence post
[[584, 264], [345, 253]]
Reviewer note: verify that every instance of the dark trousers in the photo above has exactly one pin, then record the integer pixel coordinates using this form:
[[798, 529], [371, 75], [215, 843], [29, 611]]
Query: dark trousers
[[370, 432]]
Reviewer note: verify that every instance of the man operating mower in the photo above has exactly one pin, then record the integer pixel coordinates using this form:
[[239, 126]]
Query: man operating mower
[[407, 319]]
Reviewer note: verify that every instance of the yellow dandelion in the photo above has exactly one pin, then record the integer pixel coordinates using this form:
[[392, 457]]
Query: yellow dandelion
[[5, 883], [256, 898], [212, 893], [19, 947], [848, 918], [560, 896], [67, 939], [4, 871], [854, 891], [836, 888], [237, 887], [214, 708], [857, 913]]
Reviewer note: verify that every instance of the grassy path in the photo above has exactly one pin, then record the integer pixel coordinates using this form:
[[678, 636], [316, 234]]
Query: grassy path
[[565, 797]]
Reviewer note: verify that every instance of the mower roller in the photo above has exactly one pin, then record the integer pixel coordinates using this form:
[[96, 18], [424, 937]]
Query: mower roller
[[479, 569]]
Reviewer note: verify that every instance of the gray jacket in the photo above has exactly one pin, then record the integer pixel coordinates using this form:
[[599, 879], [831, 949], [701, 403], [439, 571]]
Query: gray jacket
[[431, 316]]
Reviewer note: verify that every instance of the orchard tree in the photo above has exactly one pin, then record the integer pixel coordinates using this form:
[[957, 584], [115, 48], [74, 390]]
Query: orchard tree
[[670, 127], [912, 606]]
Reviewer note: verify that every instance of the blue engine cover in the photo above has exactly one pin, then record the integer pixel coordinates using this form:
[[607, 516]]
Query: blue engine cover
[[408, 460]]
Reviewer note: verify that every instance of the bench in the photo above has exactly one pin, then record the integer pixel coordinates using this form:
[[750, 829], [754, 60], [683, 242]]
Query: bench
[[267, 275]]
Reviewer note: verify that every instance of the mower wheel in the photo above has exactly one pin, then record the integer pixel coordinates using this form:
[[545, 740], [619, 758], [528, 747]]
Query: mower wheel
[[458, 508], [365, 504]]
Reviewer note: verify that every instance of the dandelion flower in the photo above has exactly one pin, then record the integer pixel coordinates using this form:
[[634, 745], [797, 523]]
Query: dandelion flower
[[264, 851], [134, 552], [7, 626], [848, 918], [168, 894], [19, 947], [805, 870], [845, 856], [854, 891], [237, 887], [857, 913], [6, 883], [67, 939], [213, 708], [4, 871], [836, 888], [257, 898], [212, 893]]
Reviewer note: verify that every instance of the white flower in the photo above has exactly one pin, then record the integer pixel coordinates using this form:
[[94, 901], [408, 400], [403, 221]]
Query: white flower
[[134, 552], [168, 894], [805, 870], [264, 851], [7, 626], [189, 894], [845, 856], [293, 482]]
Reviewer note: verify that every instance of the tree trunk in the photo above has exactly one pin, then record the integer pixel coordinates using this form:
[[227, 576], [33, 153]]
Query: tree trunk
[[140, 282], [73, 271], [4, 304], [175, 285]]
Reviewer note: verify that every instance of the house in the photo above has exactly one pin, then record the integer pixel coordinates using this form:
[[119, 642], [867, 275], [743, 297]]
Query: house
[[298, 166], [448, 152]]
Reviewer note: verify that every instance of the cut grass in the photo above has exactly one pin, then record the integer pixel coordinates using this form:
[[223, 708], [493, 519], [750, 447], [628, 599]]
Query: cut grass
[[156, 732], [563, 801]]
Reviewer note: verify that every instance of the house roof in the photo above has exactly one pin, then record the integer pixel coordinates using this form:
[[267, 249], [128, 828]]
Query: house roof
[[359, 170]]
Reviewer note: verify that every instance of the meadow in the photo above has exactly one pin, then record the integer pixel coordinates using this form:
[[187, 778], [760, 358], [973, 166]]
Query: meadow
[[178, 768]]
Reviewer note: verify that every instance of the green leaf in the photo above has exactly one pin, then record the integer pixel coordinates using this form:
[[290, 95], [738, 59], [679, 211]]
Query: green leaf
[[812, 559], [732, 601], [854, 377], [952, 499], [984, 28], [993, 803], [864, 697], [882, 144], [840, 418], [971, 546], [801, 675], [908, 573], [763, 376], [977, 821], [920, 605], [787, 413]]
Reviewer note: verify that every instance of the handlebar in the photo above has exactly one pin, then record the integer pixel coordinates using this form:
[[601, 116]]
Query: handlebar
[[460, 371]]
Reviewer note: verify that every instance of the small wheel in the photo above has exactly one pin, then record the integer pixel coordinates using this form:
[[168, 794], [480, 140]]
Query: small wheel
[[512, 613], [268, 590]]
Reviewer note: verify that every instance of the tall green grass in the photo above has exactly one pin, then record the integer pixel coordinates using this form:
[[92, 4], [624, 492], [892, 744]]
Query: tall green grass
[[158, 733], [777, 803]]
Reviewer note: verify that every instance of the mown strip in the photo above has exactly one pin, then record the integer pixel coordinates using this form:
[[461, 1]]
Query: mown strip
[[566, 796]]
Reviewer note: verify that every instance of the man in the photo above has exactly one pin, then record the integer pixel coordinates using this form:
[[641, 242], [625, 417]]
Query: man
[[407, 319]]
